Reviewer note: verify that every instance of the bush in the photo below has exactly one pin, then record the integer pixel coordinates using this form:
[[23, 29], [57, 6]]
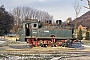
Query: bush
[[80, 35], [87, 36]]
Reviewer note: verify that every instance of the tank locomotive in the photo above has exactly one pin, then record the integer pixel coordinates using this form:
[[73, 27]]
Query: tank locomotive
[[34, 33]]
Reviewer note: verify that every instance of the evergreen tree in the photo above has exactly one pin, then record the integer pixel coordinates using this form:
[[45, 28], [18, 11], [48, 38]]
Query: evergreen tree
[[87, 36], [80, 35], [6, 21]]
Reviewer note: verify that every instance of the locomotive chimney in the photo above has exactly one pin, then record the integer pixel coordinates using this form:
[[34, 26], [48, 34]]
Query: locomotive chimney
[[58, 23]]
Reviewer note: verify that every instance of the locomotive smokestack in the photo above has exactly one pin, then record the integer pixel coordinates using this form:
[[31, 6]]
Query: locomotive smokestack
[[58, 23]]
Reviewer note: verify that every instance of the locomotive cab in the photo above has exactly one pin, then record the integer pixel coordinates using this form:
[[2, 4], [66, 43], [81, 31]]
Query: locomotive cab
[[26, 31], [29, 27]]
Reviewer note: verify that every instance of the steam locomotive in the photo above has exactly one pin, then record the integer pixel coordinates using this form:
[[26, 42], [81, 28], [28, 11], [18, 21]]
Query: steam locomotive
[[37, 34]]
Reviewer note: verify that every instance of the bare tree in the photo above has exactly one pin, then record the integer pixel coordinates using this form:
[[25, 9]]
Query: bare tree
[[77, 8], [88, 4], [22, 13]]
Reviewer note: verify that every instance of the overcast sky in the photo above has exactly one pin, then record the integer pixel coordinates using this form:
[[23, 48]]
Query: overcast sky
[[59, 9]]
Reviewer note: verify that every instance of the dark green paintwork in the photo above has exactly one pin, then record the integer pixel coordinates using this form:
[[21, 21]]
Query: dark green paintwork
[[43, 32], [48, 32]]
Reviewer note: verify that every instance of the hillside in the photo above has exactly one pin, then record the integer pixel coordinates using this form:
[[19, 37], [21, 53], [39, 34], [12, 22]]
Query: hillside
[[83, 20]]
